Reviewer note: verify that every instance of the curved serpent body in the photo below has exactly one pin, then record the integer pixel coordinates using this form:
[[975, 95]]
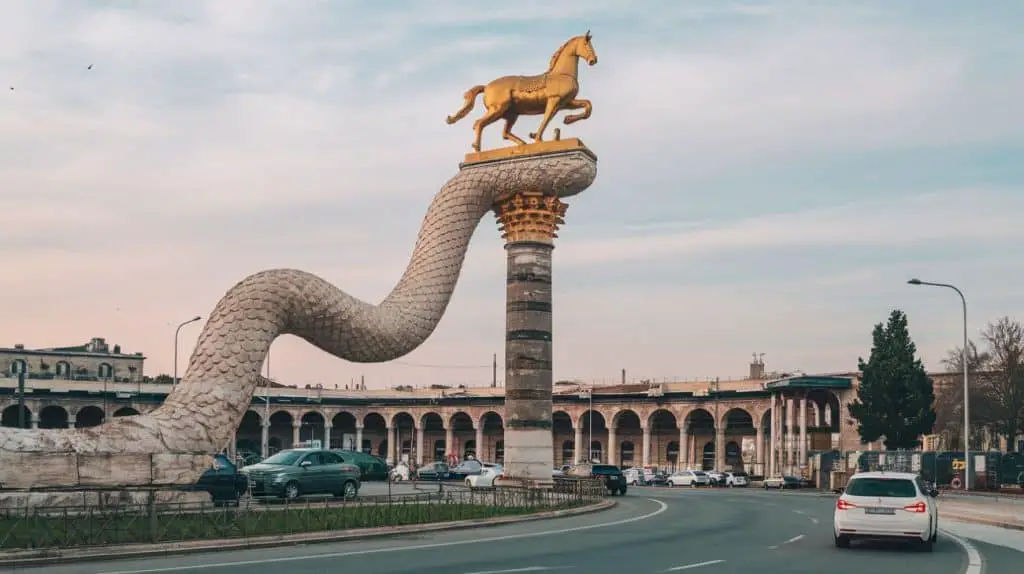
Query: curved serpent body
[[208, 404]]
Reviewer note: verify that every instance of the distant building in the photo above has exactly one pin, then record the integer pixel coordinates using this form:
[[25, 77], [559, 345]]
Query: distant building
[[93, 361]]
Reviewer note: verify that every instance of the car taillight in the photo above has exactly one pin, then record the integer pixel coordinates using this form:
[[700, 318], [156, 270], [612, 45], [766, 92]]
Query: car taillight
[[918, 507], [844, 505]]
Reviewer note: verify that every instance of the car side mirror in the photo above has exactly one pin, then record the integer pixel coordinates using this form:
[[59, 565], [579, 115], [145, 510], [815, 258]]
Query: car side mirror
[[305, 463]]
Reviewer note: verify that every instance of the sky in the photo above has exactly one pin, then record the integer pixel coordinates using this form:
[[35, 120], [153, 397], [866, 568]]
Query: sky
[[770, 174]]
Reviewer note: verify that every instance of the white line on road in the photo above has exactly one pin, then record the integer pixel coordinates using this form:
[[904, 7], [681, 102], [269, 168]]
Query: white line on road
[[790, 541], [814, 520], [527, 569], [975, 564], [662, 508], [697, 565]]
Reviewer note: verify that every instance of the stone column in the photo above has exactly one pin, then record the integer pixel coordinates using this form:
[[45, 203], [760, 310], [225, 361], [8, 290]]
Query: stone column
[[789, 434], [449, 441], [683, 458], [528, 223], [720, 447], [803, 431], [296, 437], [390, 434], [479, 441], [359, 438], [646, 429], [773, 438], [612, 448], [577, 446], [420, 448], [327, 435], [232, 445], [33, 421], [759, 450], [265, 439]]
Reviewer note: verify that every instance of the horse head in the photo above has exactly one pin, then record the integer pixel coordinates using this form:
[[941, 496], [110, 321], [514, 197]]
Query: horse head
[[585, 49]]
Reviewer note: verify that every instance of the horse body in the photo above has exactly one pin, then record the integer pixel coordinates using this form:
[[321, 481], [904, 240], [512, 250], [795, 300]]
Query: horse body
[[546, 94]]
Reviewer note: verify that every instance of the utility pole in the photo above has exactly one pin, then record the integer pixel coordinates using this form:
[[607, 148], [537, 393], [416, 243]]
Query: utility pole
[[494, 372]]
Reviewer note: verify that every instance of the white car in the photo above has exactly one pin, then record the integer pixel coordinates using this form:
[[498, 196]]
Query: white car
[[691, 478], [486, 477], [886, 505], [736, 479]]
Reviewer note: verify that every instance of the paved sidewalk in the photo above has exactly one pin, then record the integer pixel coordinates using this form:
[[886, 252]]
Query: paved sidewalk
[[1001, 513]]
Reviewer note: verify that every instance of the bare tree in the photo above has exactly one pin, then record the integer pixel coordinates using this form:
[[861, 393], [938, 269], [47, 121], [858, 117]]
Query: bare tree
[[949, 401], [1005, 387]]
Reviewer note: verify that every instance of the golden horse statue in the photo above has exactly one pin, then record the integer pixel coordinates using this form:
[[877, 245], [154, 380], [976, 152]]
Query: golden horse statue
[[512, 96]]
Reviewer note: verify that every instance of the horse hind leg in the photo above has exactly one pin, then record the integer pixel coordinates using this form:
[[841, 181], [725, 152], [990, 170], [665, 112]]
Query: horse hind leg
[[510, 120], [492, 115]]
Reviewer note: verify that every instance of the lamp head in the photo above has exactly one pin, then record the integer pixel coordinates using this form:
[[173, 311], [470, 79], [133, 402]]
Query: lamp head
[[914, 281], [196, 318]]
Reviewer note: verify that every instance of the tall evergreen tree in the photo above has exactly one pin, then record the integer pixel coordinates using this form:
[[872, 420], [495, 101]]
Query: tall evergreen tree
[[896, 398]]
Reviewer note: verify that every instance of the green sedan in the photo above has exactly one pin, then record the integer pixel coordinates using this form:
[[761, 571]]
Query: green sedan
[[295, 472]]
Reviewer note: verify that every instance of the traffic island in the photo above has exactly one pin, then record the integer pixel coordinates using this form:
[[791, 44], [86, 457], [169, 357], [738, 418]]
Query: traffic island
[[71, 534]]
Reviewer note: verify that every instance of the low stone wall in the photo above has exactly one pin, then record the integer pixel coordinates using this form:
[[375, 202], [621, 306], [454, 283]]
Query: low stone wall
[[99, 499], [31, 470]]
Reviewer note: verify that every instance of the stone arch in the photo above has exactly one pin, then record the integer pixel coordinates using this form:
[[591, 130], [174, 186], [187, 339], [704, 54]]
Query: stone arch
[[597, 416], [626, 419], [18, 366], [343, 431], [89, 416], [126, 412], [53, 417], [738, 419], [568, 452], [628, 455], [105, 371], [432, 422], [375, 435], [313, 424], [596, 437], [403, 427], [9, 417], [249, 434], [561, 423], [699, 420], [62, 370], [664, 429], [280, 433], [493, 430], [460, 421]]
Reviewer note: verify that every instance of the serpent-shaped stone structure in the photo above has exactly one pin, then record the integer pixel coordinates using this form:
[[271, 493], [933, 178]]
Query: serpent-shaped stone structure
[[201, 412]]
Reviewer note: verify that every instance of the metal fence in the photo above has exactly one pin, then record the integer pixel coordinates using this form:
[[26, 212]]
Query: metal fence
[[50, 528]]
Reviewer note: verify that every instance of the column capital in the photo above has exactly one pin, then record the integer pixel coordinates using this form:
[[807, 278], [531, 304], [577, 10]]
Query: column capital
[[296, 424], [328, 425], [530, 217]]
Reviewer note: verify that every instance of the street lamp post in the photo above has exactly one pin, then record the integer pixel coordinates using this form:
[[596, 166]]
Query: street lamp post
[[590, 424], [176, 332], [967, 400]]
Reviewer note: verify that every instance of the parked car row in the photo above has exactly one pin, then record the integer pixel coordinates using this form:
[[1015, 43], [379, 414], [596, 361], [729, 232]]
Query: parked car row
[[441, 471]]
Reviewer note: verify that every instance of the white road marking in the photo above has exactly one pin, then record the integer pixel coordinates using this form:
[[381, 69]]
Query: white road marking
[[662, 508], [527, 569], [697, 565], [975, 564], [814, 520], [799, 511], [790, 541]]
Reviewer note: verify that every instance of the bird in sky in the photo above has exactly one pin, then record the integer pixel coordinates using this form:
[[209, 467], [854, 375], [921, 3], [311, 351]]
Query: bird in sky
[[90, 67]]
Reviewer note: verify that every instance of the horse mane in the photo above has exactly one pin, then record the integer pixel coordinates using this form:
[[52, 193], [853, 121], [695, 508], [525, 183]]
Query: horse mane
[[558, 52]]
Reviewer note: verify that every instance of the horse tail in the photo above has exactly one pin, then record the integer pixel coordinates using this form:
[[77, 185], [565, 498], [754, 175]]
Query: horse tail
[[467, 107]]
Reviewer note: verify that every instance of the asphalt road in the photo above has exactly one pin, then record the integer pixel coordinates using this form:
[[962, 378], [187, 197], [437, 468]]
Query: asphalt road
[[650, 531]]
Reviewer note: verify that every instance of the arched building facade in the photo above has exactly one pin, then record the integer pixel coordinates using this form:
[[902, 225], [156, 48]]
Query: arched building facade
[[725, 425]]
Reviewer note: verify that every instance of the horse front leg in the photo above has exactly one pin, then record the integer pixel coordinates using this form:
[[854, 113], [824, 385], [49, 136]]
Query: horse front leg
[[575, 105], [549, 112]]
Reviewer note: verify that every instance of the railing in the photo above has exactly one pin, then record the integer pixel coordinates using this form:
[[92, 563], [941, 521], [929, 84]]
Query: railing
[[53, 528]]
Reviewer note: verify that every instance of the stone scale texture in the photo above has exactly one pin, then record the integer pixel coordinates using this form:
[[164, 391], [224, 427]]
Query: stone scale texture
[[173, 444]]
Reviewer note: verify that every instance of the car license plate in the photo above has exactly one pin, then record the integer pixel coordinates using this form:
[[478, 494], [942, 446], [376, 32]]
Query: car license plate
[[878, 510]]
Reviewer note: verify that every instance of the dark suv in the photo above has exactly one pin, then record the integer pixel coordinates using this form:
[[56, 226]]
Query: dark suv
[[613, 479]]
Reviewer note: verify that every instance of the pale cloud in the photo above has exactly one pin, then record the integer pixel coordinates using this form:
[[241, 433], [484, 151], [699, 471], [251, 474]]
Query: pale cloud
[[213, 139]]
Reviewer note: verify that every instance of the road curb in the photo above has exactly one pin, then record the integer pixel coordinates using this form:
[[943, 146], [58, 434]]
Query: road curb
[[984, 521], [45, 558]]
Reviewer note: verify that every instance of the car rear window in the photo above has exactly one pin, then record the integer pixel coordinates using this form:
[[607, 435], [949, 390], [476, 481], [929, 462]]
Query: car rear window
[[698, 473], [882, 487], [606, 469]]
